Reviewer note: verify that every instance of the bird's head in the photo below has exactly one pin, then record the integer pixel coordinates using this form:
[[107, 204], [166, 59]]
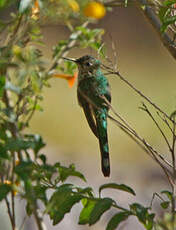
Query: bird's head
[[86, 63]]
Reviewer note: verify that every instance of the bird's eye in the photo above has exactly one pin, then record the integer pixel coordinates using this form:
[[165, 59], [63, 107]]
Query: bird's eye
[[88, 64]]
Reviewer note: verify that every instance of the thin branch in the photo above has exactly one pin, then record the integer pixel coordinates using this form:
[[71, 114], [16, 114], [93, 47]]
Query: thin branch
[[65, 49], [173, 148], [39, 219], [11, 36], [156, 123], [165, 121], [153, 197], [32, 112], [9, 210], [127, 127], [155, 22], [127, 132], [23, 222], [139, 92], [12, 194], [148, 146]]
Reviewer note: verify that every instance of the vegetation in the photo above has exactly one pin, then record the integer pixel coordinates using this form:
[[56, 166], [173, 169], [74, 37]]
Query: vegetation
[[24, 170]]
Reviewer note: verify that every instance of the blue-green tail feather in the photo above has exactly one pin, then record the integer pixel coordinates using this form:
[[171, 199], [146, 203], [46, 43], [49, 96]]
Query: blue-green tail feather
[[101, 120]]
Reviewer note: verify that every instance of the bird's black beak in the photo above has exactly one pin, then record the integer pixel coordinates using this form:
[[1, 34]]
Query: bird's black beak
[[70, 59]]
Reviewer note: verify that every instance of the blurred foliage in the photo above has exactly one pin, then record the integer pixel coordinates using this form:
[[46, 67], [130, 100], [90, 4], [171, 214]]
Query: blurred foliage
[[24, 170]]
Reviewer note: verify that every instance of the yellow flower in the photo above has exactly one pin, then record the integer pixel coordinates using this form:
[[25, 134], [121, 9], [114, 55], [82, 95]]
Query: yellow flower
[[7, 182], [95, 10], [74, 5], [16, 50], [14, 187]]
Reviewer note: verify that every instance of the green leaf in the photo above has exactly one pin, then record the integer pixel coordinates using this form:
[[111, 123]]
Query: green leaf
[[143, 215], [121, 187], [61, 45], [61, 202], [2, 85], [66, 172], [139, 211], [86, 211], [4, 190], [163, 12], [3, 152], [117, 219], [24, 170], [170, 20], [87, 191], [40, 192], [24, 4], [168, 194], [168, 2], [165, 204], [29, 208], [36, 141], [19, 144], [2, 3], [100, 207]]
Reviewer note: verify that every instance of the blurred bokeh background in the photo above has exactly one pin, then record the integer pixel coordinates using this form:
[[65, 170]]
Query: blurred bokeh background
[[144, 61]]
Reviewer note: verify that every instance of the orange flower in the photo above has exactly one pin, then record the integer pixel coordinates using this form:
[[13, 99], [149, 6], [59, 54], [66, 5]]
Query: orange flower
[[70, 78], [7, 182], [35, 11], [17, 162]]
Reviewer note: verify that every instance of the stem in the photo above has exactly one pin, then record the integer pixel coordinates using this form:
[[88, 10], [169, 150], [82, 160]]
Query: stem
[[173, 148], [39, 219], [13, 196], [174, 174], [141, 94], [57, 60], [156, 123], [9, 211], [155, 22]]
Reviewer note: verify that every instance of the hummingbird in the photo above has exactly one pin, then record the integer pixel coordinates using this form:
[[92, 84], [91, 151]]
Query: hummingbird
[[92, 89]]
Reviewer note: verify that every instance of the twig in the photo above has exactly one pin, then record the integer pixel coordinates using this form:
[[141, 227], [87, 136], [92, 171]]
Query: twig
[[156, 123], [165, 121], [39, 219], [10, 38], [154, 21], [153, 197], [148, 146], [127, 127], [12, 193], [173, 148], [32, 112], [9, 210], [65, 49], [23, 222], [140, 93]]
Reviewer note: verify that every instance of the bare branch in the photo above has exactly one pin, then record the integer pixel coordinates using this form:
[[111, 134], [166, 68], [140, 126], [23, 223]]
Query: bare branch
[[65, 49], [139, 92], [155, 22], [156, 123]]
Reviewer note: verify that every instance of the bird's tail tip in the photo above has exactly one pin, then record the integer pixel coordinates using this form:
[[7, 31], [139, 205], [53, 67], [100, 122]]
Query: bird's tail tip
[[106, 167]]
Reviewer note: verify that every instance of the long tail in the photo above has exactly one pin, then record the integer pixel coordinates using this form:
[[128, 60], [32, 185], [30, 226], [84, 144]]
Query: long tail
[[101, 120]]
